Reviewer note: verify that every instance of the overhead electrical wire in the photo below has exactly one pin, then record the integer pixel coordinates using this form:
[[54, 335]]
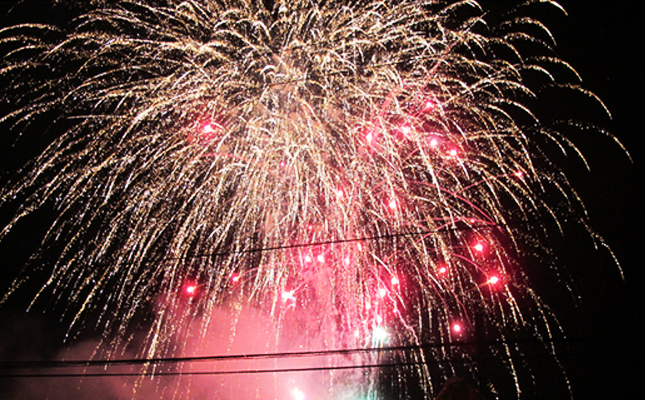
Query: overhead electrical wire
[[285, 355], [358, 239]]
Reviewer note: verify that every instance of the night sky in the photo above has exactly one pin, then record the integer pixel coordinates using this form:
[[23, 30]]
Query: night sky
[[605, 43]]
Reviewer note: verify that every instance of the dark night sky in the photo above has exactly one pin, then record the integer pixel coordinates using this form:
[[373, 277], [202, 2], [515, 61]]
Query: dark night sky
[[605, 43]]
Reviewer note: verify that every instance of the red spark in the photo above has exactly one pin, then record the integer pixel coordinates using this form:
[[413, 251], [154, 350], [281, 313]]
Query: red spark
[[190, 290], [369, 137], [208, 128], [288, 295]]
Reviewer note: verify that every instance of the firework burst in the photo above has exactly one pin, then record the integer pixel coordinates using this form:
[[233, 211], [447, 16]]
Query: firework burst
[[359, 173]]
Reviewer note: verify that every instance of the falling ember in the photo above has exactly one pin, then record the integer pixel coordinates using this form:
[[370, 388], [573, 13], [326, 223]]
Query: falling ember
[[350, 147], [208, 128], [288, 295], [493, 280], [405, 130], [369, 137]]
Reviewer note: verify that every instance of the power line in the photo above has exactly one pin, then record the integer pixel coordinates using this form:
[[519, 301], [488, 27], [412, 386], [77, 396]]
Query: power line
[[231, 372], [446, 229], [276, 370], [286, 355]]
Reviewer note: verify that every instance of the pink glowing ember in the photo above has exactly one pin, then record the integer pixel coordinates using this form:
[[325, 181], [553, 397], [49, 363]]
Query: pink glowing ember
[[208, 128], [369, 137], [479, 247]]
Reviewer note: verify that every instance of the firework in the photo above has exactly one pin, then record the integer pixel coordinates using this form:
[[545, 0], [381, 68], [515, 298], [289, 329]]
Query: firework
[[357, 174]]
